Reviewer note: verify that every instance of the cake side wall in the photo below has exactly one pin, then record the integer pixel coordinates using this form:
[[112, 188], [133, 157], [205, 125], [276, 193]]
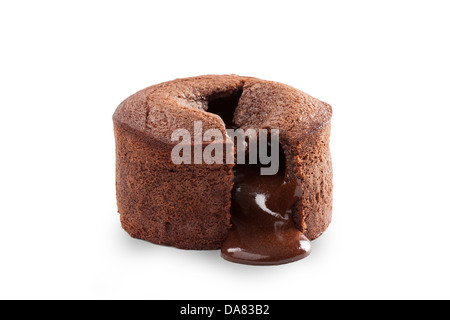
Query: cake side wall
[[314, 168], [185, 206]]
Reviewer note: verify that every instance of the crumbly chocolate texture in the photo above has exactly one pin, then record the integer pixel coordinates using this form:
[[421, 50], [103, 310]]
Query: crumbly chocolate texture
[[188, 206]]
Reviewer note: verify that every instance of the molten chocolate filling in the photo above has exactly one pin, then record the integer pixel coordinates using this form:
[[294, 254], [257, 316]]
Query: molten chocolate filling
[[263, 231]]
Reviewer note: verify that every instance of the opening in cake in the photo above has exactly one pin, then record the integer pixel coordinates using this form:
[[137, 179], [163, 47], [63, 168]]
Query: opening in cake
[[263, 231], [224, 105]]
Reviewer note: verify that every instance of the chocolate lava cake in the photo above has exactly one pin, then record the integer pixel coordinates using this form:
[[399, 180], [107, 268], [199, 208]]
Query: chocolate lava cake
[[192, 206]]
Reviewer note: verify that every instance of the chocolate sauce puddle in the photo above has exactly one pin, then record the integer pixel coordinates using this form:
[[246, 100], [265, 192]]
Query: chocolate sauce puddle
[[263, 231]]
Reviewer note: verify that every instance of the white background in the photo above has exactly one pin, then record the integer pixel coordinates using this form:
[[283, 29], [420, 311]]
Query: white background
[[65, 66]]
